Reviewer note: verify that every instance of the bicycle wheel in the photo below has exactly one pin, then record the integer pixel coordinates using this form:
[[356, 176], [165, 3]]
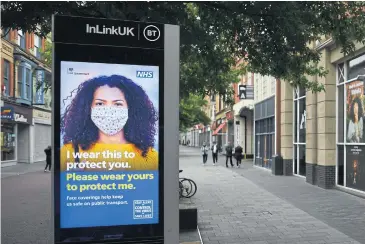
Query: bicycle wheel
[[186, 187], [181, 188], [193, 187]]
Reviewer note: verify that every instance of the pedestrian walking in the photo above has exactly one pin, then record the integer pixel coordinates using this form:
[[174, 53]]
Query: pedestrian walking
[[238, 155], [229, 154], [205, 150], [48, 152], [215, 150]]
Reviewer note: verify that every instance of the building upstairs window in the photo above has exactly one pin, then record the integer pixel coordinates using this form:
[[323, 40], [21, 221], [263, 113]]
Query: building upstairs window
[[6, 78], [6, 34], [21, 39], [37, 46], [24, 81]]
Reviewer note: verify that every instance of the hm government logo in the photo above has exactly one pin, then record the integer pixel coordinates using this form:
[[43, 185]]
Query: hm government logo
[[144, 74], [71, 71], [103, 30]]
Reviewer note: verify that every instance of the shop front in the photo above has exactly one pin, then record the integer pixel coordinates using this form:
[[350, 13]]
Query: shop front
[[220, 133], [15, 134], [42, 129], [264, 132], [350, 170], [299, 135]]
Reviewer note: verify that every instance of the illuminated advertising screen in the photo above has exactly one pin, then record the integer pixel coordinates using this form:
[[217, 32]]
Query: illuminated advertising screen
[[108, 137], [355, 101], [109, 144]]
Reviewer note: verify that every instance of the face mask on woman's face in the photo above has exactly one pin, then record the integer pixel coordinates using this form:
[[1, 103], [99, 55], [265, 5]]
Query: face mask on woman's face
[[109, 119]]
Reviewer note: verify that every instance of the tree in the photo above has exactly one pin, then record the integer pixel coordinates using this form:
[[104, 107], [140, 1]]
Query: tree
[[46, 54], [191, 112], [272, 37]]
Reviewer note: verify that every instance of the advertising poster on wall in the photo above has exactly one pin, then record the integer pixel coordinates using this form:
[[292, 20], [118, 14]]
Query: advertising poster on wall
[[355, 167], [109, 158], [355, 102]]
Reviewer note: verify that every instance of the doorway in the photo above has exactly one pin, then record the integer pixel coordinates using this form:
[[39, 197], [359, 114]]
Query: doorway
[[23, 141]]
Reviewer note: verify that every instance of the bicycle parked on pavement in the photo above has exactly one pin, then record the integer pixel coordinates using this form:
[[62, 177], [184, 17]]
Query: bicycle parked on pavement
[[187, 187]]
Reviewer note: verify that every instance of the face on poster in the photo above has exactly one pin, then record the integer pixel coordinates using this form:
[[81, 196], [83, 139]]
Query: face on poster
[[355, 170], [109, 158], [355, 111]]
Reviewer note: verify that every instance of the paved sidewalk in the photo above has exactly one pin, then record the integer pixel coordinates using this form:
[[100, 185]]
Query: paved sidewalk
[[232, 209], [22, 168], [340, 210]]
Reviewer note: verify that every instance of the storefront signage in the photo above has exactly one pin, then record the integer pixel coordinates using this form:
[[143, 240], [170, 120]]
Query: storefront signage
[[16, 113], [115, 190], [39, 94], [20, 118], [7, 113], [41, 117], [355, 167], [7, 49], [245, 92]]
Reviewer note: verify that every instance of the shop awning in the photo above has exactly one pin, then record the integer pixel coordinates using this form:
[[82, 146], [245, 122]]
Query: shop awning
[[219, 128]]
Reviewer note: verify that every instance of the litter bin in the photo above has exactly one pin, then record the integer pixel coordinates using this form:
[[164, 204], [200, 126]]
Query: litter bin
[[277, 167]]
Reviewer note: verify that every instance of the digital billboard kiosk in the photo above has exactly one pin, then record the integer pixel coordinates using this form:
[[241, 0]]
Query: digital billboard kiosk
[[115, 159]]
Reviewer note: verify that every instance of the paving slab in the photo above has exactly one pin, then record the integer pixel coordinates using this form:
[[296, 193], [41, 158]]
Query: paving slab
[[338, 209], [21, 168], [232, 209]]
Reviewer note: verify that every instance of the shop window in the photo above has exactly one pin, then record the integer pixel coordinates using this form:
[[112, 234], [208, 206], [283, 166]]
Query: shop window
[[299, 164], [6, 77], [340, 114], [295, 121], [265, 126], [302, 120], [351, 123], [273, 144], [356, 67], [7, 142]]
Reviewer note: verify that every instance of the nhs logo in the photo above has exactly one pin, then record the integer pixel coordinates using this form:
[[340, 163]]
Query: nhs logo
[[144, 74]]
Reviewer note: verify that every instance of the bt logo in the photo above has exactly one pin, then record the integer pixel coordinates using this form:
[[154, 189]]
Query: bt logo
[[144, 74], [151, 33]]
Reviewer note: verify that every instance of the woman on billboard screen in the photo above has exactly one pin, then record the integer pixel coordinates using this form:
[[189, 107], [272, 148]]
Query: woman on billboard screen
[[109, 115], [355, 127]]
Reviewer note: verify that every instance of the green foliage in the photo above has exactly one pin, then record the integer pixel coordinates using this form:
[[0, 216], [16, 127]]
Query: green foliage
[[46, 54], [191, 112], [272, 37]]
